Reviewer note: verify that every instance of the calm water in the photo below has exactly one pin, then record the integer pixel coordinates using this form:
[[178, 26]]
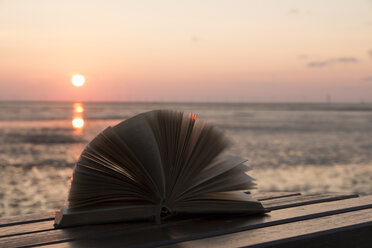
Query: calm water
[[293, 147]]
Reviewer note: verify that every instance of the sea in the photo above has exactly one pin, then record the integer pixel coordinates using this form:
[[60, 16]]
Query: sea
[[308, 148]]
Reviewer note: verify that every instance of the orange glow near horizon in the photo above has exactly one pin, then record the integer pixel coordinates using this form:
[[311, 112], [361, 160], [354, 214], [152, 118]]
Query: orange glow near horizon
[[78, 80], [219, 51]]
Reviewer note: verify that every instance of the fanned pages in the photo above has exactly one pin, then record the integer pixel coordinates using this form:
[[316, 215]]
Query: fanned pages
[[153, 166]]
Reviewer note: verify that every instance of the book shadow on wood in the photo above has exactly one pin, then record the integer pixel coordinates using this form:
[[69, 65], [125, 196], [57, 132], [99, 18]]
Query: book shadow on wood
[[147, 233]]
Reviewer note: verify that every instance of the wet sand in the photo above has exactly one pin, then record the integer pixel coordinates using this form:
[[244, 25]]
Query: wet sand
[[311, 148], [45, 189]]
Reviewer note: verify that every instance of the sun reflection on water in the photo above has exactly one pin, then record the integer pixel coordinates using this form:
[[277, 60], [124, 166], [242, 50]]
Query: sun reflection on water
[[78, 122], [78, 107], [78, 119]]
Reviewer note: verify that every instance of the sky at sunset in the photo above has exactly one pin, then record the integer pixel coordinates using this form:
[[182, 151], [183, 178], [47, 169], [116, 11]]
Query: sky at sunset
[[220, 50]]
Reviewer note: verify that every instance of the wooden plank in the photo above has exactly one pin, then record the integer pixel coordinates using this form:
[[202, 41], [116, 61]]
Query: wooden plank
[[27, 218], [30, 224], [218, 226], [263, 196], [75, 233], [27, 228], [303, 200], [311, 233], [34, 227], [177, 231]]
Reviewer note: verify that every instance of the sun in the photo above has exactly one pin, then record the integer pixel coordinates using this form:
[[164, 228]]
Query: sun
[[78, 80]]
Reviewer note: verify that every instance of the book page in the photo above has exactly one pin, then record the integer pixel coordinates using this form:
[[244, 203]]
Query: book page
[[204, 144], [231, 180], [91, 187], [167, 128], [138, 135], [220, 165], [225, 202]]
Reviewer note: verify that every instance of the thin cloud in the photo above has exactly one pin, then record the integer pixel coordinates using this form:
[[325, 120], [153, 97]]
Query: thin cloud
[[328, 62], [195, 38], [302, 56], [319, 63], [294, 12], [347, 60], [367, 79]]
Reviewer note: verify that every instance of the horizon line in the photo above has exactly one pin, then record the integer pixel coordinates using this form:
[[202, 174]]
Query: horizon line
[[191, 102]]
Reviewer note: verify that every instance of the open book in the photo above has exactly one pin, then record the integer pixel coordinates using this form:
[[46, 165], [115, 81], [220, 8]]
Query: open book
[[155, 165]]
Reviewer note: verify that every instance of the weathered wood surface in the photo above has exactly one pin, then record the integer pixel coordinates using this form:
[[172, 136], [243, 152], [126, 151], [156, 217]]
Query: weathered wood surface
[[34, 224], [294, 218], [215, 227], [274, 195], [28, 218], [280, 235], [294, 201]]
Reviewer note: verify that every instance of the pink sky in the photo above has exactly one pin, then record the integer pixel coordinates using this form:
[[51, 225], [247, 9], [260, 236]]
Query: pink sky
[[253, 51]]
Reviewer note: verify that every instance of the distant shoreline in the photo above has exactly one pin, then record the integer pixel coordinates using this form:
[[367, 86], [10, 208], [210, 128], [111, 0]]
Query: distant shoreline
[[361, 103], [243, 106]]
